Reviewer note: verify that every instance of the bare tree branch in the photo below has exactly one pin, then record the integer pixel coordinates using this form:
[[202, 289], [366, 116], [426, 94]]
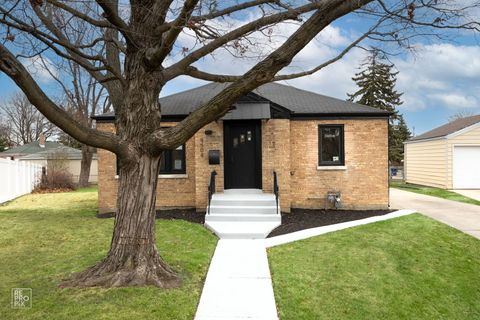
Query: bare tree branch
[[81, 15], [195, 73], [156, 56], [261, 73], [16, 71], [110, 8]]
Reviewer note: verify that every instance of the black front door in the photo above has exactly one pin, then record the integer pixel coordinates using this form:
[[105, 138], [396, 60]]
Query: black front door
[[243, 154]]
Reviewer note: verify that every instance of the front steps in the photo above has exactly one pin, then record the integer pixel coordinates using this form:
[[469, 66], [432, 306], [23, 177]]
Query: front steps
[[243, 214]]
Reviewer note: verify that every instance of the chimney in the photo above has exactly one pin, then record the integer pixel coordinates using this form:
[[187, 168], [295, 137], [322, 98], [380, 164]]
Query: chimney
[[41, 140]]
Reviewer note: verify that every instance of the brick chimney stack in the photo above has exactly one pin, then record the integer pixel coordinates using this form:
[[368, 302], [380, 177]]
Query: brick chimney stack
[[41, 140]]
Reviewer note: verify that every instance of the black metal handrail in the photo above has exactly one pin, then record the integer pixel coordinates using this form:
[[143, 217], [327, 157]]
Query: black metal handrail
[[211, 188], [275, 187]]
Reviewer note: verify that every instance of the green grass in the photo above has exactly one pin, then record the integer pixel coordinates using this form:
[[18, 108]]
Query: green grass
[[46, 237], [431, 191], [406, 268]]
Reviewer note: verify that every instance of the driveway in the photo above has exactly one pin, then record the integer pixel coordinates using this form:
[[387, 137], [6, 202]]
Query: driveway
[[462, 216], [474, 194]]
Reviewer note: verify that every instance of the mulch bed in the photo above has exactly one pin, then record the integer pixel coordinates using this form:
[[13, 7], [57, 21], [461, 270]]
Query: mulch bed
[[53, 190], [173, 214], [300, 219]]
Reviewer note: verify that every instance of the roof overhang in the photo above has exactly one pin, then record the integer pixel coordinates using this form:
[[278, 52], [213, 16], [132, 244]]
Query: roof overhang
[[249, 111], [425, 140]]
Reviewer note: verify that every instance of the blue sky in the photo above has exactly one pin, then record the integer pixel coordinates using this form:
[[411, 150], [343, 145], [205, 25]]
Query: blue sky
[[439, 79]]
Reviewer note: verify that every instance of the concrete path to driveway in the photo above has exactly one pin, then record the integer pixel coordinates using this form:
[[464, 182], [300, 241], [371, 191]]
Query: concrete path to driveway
[[462, 216], [238, 284], [474, 194]]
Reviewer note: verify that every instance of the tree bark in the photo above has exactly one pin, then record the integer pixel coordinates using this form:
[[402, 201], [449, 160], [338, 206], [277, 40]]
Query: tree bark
[[133, 259], [85, 164]]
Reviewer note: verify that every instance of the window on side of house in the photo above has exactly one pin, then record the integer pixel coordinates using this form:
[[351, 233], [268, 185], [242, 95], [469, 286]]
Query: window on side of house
[[331, 147], [173, 161]]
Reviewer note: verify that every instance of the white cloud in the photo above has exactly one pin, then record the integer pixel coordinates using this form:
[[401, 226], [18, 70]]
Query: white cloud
[[455, 100], [440, 75], [437, 76], [41, 71]]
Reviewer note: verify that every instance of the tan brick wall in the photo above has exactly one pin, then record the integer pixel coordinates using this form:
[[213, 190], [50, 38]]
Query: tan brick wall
[[288, 147], [107, 184], [204, 143], [276, 157], [364, 183], [183, 188]]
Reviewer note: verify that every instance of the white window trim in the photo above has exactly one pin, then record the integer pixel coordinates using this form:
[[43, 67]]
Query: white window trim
[[168, 176], [332, 168], [173, 176]]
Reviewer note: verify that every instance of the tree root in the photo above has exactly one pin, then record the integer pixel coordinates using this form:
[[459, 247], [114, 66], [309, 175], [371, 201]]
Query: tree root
[[108, 274]]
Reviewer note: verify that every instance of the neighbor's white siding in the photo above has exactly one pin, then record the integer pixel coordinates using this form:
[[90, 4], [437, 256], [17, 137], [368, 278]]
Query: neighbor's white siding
[[73, 166], [426, 163], [469, 138]]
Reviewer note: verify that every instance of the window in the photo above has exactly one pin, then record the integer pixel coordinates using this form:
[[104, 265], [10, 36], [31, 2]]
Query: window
[[173, 161], [331, 145]]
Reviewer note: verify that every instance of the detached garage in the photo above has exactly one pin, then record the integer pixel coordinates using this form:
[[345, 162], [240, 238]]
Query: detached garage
[[446, 157]]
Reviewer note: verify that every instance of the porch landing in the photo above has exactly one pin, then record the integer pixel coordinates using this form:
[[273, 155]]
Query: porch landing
[[242, 214]]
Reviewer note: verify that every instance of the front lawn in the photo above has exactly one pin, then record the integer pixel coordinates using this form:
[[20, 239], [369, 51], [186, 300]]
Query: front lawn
[[406, 268], [46, 237], [431, 191]]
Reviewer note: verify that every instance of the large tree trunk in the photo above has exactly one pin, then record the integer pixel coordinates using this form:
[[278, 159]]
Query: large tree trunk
[[133, 259], [85, 165]]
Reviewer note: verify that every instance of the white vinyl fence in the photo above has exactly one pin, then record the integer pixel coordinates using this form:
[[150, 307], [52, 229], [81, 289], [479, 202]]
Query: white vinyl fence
[[17, 178]]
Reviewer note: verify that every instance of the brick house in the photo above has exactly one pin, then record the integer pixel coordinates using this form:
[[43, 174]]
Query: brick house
[[315, 144]]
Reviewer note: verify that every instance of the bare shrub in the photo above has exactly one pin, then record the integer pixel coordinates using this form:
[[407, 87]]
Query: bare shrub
[[56, 177]]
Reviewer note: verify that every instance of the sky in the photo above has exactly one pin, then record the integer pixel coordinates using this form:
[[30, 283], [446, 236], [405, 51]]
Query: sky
[[438, 79]]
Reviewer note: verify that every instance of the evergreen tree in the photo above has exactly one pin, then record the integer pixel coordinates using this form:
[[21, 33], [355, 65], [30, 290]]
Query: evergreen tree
[[376, 82], [400, 133]]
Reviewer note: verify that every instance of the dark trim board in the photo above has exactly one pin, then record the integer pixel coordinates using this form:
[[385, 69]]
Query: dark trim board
[[242, 170], [353, 116]]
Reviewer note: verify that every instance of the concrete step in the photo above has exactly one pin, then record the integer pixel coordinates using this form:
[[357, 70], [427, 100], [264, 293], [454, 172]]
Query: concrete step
[[242, 229], [238, 201], [244, 209], [243, 217], [243, 191]]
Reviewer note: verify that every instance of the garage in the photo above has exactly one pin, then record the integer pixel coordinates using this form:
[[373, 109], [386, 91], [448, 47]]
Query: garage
[[466, 167], [446, 157]]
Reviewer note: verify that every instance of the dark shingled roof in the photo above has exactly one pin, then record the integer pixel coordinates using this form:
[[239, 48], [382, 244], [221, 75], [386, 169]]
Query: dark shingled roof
[[296, 100], [448, 128]]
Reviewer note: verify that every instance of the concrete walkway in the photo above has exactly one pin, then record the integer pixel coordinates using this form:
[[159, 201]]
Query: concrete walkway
[[462, 216], [238, 284], [474, 194]]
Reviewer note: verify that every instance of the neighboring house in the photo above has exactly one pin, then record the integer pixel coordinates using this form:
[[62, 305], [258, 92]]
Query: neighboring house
[[446, 157], [315, 144], [41, 152], [29, 148]]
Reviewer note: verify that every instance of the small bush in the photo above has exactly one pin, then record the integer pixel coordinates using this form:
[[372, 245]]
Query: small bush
[[56, 177], [55, 181]]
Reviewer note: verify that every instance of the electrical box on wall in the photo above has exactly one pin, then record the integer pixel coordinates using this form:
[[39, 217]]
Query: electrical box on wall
[[213, 156]]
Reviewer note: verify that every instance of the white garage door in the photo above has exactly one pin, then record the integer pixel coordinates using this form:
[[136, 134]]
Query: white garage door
[[466, 167]]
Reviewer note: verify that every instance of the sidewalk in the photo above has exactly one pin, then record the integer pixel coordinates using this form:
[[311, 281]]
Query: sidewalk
[[462, 216], [238, 284]]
